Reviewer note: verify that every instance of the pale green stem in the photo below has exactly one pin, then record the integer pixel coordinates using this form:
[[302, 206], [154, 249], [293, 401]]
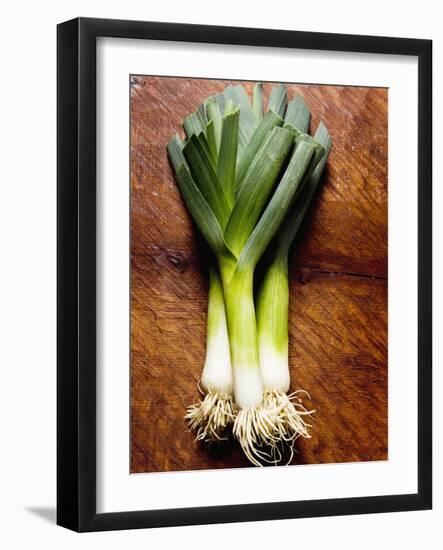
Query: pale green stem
[[273, 296], [272, 324], [242, 330]]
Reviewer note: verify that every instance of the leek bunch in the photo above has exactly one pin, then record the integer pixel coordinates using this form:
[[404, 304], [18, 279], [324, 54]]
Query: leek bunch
[[248, 179]]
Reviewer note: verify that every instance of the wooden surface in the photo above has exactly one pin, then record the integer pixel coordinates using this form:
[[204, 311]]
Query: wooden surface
[[338, 280]]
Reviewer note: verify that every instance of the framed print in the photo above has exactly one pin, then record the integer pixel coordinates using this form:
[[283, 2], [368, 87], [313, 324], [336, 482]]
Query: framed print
[[244, 274]]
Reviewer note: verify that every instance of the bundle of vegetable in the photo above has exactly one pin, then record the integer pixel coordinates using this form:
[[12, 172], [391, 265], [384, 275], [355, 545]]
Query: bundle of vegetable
[[240, 172]]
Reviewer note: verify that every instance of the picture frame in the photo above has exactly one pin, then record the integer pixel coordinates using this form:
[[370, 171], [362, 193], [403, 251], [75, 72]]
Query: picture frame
[[77, 274]]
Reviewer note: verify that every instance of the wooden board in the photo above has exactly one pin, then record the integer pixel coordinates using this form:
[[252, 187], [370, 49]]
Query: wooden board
[[338, 279]]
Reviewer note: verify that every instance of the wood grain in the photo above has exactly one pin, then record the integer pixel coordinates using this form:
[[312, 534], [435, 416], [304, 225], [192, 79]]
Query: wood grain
[[338, 277]]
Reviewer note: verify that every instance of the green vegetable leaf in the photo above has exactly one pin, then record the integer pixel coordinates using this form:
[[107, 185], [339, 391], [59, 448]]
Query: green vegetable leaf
[[257, 101], [278, 99], [278, 206], [228, 155], [298, 114], [194, 124], [248, 121], [203, 217], [298, 211], [213, 114], [205, 177], [256, 187], [175, 152], [270, 120]]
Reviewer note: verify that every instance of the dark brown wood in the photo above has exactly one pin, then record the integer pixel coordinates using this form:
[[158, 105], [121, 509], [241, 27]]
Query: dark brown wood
[[338, 314]]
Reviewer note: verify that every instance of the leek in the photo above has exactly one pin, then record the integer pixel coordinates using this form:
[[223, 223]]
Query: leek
[[257, 423], [272, 314], [240, 172], [211, 417], [206, 201]]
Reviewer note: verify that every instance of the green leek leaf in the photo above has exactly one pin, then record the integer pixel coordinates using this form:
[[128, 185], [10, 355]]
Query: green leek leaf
[[194, 124], [175, 152], [319, 153], [202, 214], [248, 121], [202, 113], [256, 187], [298, 114], [278, 206], [206, 179], [228, 155], [270, 120], [212, 144], [213, 114], [257, 101], [212, 156], [229, 107], [278, 100], [295, 218]]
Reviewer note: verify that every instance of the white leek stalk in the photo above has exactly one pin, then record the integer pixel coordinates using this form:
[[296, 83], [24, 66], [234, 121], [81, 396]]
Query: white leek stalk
[[211, 417]]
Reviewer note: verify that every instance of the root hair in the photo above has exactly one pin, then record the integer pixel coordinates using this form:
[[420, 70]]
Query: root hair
[[291, 415], [256, 431], [211, 417]]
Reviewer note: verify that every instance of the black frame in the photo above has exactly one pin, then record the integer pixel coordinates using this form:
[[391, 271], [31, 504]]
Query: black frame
[[76, 267]]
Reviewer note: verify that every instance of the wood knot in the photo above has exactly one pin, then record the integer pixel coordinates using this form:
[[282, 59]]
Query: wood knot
[[305, 275], [135, 81], [177, 261]]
